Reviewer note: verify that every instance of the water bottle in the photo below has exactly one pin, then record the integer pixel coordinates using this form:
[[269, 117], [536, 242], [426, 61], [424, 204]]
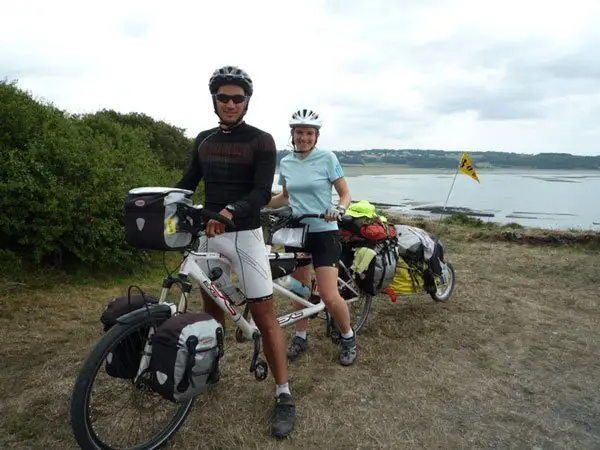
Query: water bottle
[[297, 287], [223, 282]]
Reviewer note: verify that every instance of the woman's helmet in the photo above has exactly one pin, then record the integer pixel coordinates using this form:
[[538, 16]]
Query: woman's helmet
[[230, 75], [306, 118]]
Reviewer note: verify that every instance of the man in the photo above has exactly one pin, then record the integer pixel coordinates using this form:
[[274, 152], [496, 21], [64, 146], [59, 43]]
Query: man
[[237, 163]]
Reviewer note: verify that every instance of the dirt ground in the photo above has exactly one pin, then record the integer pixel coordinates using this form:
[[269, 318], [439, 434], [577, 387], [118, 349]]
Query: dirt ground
[[511, 361]]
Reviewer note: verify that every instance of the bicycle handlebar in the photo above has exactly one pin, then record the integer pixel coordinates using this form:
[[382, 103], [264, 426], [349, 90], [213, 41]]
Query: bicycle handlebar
[[286, 212], [197, 214], [202, 213], [310, 216]]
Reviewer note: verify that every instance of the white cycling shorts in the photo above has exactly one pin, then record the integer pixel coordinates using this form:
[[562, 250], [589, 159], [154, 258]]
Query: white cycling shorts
[[249, 259]]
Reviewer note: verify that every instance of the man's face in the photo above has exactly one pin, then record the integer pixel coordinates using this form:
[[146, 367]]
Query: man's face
[[231, 102]]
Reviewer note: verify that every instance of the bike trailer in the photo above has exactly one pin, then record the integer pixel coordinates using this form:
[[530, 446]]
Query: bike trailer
[[417, 245], [405, 281], [124, 360], [186, 350]]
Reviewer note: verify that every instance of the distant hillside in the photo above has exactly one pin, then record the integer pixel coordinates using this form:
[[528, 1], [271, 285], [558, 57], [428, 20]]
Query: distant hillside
[[440, 159]]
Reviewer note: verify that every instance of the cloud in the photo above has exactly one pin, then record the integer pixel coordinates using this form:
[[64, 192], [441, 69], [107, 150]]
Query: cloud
[[134, 28], [511, 75]]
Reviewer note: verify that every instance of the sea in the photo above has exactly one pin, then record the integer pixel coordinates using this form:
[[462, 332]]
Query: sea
[[550, 199]]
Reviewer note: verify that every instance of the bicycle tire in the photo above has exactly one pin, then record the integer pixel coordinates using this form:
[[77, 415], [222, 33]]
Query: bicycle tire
[[362, 318], [450, 290], [80, 421]]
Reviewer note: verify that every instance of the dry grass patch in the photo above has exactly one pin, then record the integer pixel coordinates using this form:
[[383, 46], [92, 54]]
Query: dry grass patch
[[510, 362]]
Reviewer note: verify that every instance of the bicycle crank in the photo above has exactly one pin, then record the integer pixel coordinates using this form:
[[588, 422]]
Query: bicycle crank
[[257, 365], [261, 370], [332, 329]]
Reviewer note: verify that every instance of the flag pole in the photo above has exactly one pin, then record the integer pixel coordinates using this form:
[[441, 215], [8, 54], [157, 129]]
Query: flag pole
[[451, 187], [449, 192]]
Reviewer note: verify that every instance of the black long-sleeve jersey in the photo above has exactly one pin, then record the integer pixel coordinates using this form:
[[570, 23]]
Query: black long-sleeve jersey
[[238, 167]]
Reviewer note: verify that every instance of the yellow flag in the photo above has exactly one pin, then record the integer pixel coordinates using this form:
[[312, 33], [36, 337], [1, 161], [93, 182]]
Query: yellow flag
[[466, 166]]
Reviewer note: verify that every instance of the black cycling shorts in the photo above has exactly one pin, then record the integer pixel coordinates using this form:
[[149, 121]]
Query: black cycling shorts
[[324, 246]]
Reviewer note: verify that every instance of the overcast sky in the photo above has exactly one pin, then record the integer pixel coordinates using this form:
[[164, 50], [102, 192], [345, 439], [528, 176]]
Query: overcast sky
[[510, 75]]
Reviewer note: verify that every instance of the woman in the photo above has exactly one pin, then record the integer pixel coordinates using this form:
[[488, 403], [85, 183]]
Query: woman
[[307, 176]]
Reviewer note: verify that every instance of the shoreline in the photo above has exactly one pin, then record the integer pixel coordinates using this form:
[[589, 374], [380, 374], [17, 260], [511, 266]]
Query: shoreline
[[353, 170]]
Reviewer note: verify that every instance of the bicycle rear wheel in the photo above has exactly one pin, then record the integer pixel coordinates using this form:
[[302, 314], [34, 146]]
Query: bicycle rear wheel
[[359, 303], [359, 310], [125, 427]]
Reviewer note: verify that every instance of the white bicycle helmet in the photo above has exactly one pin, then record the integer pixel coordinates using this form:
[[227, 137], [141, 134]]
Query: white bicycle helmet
[[230, 75], [306, 118]]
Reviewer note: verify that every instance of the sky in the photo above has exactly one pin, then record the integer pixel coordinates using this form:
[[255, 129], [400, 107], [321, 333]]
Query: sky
[[512, 75]]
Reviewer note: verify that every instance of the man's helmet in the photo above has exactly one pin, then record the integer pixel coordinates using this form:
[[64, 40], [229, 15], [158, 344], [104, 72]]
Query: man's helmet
[[230, 75], [306, 118]]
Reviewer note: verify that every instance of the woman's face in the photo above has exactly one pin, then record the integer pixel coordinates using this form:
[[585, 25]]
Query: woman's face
[[304, 138]]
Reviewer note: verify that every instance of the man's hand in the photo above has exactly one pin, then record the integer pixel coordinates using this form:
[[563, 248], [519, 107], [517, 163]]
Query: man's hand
[[214, 227]]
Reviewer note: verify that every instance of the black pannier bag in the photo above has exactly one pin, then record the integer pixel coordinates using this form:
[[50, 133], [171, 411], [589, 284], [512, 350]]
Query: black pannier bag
[[381, 270], [151, 219], [186, 350], [123, 361]]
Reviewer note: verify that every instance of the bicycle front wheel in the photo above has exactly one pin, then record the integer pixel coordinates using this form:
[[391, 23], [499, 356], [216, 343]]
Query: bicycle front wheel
[[114, 413]]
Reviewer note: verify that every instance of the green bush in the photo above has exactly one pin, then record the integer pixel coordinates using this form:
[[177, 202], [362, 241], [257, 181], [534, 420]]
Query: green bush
[[169, 143], [63, 180], [466, 220]]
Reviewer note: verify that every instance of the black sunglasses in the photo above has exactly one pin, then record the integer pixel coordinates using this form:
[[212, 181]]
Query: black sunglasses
[[224, 98]]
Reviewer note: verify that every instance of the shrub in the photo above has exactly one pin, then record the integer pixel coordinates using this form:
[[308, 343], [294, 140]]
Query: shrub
[[63, 180]]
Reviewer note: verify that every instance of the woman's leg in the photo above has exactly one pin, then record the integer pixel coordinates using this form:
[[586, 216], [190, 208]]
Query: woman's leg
[[328, 289], [299, 342], [302, 274], [337, 307]]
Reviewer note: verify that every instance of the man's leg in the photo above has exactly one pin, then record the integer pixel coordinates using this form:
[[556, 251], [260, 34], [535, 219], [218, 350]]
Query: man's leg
[[284, 414], [250, 262], [273, 339], [210, 307]]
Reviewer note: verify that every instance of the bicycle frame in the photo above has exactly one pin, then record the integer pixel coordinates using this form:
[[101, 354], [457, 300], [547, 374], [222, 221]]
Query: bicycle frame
[[190, 268]]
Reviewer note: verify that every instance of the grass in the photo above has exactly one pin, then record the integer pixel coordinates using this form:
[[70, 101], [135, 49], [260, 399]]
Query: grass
[[509, 362]]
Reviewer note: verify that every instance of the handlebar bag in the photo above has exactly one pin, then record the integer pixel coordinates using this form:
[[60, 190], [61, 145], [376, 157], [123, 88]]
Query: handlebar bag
[[291, 237], [154, 219]]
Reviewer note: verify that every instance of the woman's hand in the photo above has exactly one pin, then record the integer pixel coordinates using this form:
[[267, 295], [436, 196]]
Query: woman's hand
[[279, 200], [334, 213]]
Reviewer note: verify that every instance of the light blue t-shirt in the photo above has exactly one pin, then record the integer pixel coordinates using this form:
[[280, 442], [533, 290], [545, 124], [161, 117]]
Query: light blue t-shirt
[[309, 183]]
